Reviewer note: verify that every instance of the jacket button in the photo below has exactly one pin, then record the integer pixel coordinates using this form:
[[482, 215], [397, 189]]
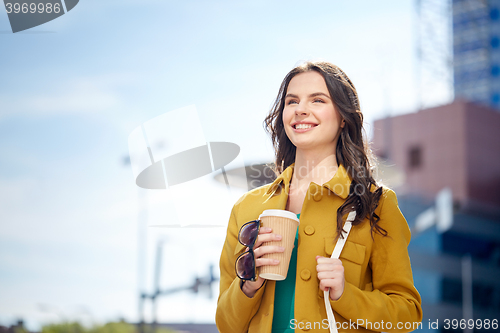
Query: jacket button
[[317, 196], [305, 274], [309, 230]]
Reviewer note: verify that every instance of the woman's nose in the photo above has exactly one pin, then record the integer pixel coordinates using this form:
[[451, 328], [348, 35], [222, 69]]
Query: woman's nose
[[301, 109]]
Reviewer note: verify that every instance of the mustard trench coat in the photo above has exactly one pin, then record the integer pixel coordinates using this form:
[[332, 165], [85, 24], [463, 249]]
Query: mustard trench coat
[[379, 294]]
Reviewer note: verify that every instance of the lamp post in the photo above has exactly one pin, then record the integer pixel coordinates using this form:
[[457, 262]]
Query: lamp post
[[195, 286]]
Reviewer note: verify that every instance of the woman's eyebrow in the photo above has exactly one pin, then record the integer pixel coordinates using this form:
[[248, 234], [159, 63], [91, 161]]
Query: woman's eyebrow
[[320, 94], [311, 95]]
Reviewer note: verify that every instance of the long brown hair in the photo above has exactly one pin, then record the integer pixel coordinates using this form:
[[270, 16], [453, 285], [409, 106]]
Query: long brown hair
[[352, 149]]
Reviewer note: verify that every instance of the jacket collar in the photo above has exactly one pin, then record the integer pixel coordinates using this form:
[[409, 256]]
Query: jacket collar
[[340, 184]]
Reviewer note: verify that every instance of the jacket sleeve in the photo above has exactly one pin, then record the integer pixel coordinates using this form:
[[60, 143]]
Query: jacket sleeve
[[394, 298], [234, 308]]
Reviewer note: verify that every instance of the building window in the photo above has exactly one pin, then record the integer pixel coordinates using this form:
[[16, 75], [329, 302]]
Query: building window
[[482, 294], [495, 70], [495, 99], [495, 42], [494, 14], [451, 290], [415, 157]]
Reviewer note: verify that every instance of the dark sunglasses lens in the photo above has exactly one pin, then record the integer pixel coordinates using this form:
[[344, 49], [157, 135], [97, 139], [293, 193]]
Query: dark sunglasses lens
[[248, 233], [245, 266]]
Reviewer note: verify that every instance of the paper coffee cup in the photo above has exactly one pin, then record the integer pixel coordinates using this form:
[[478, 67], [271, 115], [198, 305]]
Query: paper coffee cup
[[284, 223]]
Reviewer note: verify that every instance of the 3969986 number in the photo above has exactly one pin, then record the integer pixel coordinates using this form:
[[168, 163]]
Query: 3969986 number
[[32, 8], [471, 324]]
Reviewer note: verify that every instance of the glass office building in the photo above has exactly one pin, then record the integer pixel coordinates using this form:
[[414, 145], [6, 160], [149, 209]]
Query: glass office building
[[476, 51]]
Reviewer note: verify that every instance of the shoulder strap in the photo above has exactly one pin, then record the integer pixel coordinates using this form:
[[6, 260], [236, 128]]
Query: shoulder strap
[[335, 254]]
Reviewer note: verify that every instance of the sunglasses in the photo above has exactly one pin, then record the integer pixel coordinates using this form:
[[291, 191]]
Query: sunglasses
[[245, 263]]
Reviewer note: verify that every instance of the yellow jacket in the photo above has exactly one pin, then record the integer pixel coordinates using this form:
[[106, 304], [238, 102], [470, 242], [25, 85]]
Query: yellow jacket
[[379, 294]]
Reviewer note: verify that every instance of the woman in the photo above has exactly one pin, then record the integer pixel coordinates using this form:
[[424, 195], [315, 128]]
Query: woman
[[324, 173]]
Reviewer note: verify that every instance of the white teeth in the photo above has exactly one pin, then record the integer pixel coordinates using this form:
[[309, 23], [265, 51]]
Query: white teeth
[[302, 126]]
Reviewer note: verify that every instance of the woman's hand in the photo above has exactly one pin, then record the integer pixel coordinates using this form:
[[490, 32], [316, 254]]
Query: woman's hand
[[331, 275], [249, 288]]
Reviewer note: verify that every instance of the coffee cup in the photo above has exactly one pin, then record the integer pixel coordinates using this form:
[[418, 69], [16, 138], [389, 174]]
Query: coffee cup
[[284, 223]]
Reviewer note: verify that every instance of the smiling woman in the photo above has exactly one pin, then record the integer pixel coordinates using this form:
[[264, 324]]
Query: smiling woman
[[325, 176]]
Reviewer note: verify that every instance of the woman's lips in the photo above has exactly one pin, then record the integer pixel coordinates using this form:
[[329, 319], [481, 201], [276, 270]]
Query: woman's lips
[[303, 128]]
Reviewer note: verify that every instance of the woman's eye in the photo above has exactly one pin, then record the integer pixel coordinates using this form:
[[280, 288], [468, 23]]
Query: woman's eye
[[318, 101], [291, 102]]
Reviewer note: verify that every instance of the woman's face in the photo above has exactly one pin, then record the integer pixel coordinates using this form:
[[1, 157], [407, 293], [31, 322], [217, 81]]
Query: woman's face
[[310, 117]]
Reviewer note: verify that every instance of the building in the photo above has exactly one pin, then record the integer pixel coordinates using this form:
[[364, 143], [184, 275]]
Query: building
[[455, 146], [476, 50]]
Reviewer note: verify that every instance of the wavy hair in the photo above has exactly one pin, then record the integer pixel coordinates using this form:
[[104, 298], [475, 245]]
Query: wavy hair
[[352, 150]]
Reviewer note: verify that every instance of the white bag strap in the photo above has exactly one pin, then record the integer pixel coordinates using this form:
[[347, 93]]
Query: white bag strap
[[335, 254]]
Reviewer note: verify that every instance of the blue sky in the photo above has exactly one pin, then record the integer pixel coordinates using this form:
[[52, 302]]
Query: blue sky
[[73, 89]]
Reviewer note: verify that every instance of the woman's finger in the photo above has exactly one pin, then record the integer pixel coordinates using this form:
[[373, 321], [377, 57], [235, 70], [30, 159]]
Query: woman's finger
[[330, 268], [266, 262], [265, 230], [267, 237], [267, 249], [324, 285], [329, 275], [329, 284], [323, 260]]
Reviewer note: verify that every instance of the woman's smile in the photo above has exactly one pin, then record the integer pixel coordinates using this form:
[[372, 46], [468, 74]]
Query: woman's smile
[[303, 127]]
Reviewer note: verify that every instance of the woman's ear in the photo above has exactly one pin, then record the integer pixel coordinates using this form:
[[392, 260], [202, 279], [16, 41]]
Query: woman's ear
[[342, 124]]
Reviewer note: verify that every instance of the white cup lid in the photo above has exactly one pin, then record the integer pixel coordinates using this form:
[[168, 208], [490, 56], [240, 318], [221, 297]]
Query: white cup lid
[[279, 212]]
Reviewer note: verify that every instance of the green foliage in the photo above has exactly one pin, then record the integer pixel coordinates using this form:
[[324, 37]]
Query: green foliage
[[119, 327], [20, 329], [64, 328]]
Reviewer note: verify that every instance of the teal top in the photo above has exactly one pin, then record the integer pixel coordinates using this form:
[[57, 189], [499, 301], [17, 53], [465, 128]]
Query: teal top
[[284, 295]]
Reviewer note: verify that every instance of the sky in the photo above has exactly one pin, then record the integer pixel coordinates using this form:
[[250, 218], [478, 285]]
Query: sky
[[72, 220]]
